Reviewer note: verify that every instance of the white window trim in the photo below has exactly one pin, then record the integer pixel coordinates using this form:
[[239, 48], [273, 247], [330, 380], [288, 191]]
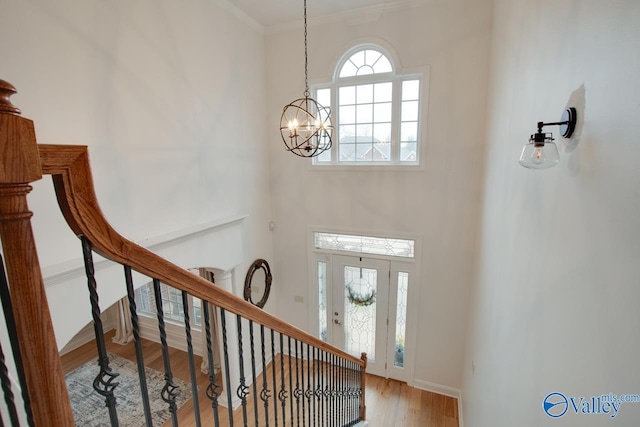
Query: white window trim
[[397, 76]]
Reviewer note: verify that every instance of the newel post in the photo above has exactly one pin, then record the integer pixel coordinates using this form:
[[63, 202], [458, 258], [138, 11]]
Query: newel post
[[19, 166]]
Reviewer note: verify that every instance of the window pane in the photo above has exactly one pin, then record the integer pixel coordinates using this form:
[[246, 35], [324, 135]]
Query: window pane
[[382, 66], [410, 90], [364, 94], [364, 133], [382, 132], [347, 152], [323, 96], [408, 151], [383, 92], [347, 134], [325, 156], [371, 57], [365, 113], [382, 112], [322, 300], [358, 59], [365, 70], [381, 152], [409, 131], [409, 111], [347, 95], [348, 69], [145, 300], [364, 244], [401, 318], [348, 114], [364, 152]]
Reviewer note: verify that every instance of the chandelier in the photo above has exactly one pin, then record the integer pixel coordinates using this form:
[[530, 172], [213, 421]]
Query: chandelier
[[305, 125]]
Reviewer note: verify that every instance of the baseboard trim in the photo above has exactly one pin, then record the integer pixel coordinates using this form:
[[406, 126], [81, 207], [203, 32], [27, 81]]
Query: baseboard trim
[[437, 388]]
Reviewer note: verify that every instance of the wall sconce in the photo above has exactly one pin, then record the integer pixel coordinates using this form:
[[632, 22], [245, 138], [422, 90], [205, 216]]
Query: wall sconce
[[541, 152]]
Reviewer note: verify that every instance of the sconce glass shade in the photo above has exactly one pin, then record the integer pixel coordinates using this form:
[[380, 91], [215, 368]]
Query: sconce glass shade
[[541, 152], [536, 155]]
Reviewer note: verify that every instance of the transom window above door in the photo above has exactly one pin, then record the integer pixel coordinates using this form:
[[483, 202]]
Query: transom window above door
[[377, 110]]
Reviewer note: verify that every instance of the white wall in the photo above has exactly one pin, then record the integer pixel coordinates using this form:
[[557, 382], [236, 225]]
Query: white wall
[[439, 203], [555, 308], [170, 99]]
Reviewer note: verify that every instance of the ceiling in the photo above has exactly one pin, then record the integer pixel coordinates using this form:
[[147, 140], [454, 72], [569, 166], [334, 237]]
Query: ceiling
[[278, 12]]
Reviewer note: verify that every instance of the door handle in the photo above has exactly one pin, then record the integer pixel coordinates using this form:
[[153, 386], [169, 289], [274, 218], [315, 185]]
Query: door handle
[[337, 322]]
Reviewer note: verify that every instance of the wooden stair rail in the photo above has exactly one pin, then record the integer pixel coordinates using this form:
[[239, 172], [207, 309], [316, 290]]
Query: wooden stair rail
[[24, 161], [69, 166]]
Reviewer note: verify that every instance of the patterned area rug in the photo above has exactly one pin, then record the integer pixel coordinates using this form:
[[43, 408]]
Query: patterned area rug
[[89, 407]]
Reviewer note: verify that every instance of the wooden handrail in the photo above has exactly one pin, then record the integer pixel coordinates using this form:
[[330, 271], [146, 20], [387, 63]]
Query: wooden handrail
[[70, 169]]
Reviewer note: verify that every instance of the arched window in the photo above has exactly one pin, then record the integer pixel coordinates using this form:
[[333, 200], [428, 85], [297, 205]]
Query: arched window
[[376, 110]]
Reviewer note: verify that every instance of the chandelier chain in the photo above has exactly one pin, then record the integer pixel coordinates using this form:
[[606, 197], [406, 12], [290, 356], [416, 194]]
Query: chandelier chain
[[306, 71]]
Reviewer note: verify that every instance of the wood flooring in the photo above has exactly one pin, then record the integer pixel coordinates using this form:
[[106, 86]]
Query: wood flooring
[[389, 403]]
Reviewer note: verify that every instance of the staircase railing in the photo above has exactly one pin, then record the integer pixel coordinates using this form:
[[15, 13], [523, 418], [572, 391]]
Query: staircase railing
[[276, 373]]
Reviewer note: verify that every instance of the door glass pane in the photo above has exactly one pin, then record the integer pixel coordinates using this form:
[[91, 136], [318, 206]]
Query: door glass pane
[[360, 310], [322, 300], [401, 319], [365, 244]]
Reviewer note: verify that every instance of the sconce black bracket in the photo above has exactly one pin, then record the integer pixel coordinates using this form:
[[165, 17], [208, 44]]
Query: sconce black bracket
[[567, 123]]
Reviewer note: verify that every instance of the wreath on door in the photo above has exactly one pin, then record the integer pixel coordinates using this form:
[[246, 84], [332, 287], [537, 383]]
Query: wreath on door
[[361, 299]]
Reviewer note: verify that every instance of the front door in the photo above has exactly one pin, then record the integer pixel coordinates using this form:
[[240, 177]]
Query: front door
[[359, 315]]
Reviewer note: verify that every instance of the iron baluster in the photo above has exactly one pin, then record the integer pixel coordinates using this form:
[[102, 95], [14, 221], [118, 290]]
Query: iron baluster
[[242, 388], [354, 384], [322, 386], [8, 393], [356, 408], [170, 391], [253, 373], [10, 322], [303, 390], [192, 364], [315, 370], [282, 396], [213, 389], [273, 371], [264, 394], [291, 396], [144, 392], [308, 392], [349, 391], [341, 389], [297, 390], [360, 381], [225, 351], [333, 389], [103, 383], [327, 391]]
